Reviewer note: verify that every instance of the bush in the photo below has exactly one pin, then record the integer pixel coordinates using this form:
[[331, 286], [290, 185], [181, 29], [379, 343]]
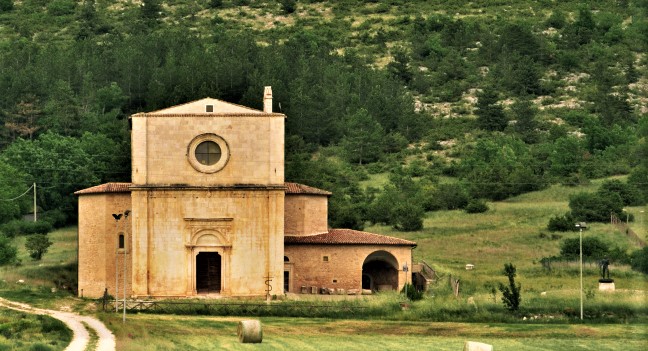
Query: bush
[[564, 223], [6, 5], [639, 260], [408, 217], [447, 197], [593, 248], [18, 227], [40, 347], [595, 207], [410, 291], [37, 246], [288, 6], [56, 218], [629, 193], [476, 206], [8, 252], [511, 293], [61, 7]]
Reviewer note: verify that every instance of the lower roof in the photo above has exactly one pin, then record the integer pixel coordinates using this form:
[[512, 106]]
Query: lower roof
[[346, 237], [114, 187]]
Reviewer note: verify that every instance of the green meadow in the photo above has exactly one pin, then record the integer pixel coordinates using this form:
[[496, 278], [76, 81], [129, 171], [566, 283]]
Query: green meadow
[[511, 231]]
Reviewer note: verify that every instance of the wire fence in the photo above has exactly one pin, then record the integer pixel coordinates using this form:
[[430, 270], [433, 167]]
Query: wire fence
[[276, 309], [623, 226]]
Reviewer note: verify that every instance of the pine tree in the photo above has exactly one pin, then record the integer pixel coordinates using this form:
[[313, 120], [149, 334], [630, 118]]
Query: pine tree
[[490, 115]]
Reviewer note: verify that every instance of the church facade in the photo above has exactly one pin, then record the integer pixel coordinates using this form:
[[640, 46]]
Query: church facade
[[208, 212]]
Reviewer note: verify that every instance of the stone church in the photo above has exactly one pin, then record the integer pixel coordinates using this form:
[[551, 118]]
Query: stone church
[[208, 212]]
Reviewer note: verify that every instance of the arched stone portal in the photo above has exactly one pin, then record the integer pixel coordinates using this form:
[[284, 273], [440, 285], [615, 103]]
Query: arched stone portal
[[380, 271]]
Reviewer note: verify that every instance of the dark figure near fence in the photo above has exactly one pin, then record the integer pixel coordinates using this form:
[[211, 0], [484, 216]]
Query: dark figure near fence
[[605, 270]]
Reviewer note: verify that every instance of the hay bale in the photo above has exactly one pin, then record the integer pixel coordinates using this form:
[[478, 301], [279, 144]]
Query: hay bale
[[477, 346], [249, 332]]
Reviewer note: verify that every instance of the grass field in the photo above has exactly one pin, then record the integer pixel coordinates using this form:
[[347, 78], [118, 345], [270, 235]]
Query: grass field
[[21, 331], [512, 231], [515, 231], [150, 332]]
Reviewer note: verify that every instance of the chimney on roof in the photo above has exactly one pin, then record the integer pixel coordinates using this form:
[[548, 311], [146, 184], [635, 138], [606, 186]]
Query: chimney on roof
[[267, 99]]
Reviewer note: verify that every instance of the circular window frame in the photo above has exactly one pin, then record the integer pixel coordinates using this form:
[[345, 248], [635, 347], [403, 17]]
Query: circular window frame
[[191, 153]]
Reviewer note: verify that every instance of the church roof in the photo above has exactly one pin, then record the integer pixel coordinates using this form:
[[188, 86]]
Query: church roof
[[106, 188], [291, 188], [200, 107], [296, 188], [346, 237]]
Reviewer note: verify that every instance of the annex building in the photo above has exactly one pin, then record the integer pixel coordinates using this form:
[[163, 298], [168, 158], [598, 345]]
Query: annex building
[[207, 211]]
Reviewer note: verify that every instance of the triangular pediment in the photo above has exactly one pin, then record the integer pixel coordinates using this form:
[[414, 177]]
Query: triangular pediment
[[202, 107]]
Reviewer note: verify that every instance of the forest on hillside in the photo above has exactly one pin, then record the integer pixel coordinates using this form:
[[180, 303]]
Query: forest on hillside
[[456, 104]]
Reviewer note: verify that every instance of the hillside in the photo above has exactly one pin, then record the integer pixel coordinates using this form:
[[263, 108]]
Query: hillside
[[446, 104]]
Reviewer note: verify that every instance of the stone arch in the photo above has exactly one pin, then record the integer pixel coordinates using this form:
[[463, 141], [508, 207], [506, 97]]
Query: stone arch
[[380, 271], [209, 238]]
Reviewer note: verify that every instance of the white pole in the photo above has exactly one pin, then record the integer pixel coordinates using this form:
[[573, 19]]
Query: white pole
[[124, 316], [581, 272], [35, 209], [117, 266]]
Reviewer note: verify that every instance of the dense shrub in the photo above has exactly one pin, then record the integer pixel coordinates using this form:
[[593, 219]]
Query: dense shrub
[[447, 197], [8, 252], [629, 193], [37, 246], [476, 206], [595, 207], [20, 227], [511, 293], [408, 217], [410, 291], [639, 260], [56, 218], [593, 248], [564, 223]]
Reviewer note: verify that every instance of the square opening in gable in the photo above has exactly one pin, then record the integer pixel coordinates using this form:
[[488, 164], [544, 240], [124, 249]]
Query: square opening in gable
[[209, 108]]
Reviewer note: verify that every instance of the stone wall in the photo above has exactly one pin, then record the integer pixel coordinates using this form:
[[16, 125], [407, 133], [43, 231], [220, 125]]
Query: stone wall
[[342, 267], [160, 149], [98, 244], [245, 227], [306, 214]]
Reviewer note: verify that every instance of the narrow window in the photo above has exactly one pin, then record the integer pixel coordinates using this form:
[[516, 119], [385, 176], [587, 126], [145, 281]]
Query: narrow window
[[325, 258], [121, 241], [209, 108]]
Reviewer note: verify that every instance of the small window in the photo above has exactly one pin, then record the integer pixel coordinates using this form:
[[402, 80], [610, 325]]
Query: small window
[[121, 241], [208, 153], [209, 108], [286, 259], [334, 280], [325, 258]]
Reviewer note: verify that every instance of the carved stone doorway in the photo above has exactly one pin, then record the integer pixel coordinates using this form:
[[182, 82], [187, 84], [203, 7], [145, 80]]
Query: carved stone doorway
[[208, 272]]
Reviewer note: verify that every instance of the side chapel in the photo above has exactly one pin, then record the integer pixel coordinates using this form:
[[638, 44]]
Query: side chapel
[[208, 212]]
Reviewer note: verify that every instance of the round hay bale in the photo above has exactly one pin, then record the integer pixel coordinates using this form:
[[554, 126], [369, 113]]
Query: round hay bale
[[249, 332]]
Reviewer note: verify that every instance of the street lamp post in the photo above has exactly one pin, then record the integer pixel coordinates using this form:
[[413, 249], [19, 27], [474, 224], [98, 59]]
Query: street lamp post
[[126, 213], [580, 227]]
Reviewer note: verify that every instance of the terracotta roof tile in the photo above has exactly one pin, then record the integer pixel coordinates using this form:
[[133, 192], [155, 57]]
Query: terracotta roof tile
[[346, 237], [106, 188], [291, 188], [296, 188]]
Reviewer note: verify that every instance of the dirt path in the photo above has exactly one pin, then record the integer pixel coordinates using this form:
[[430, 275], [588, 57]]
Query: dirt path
[[75, 322]]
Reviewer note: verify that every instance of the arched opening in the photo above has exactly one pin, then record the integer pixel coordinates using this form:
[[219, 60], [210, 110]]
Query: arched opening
[[208, 272], [380, 272]]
